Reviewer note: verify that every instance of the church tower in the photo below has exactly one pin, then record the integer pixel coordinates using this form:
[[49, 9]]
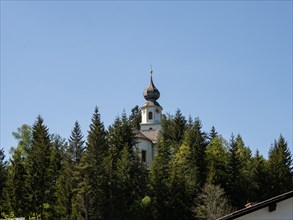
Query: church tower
[[150, 126], [151, 111]]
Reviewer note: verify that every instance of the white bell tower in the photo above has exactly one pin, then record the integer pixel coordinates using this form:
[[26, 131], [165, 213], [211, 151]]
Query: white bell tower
[[151, 110]]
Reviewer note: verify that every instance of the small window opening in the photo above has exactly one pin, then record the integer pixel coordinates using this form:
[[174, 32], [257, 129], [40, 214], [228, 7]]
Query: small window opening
[[150, 115], [143, 155]]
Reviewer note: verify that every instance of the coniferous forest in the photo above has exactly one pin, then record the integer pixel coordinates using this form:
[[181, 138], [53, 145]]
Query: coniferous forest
[[99, 175]]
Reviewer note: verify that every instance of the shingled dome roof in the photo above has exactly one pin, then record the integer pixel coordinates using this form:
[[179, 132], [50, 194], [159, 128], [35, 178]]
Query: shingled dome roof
[[151, 93]]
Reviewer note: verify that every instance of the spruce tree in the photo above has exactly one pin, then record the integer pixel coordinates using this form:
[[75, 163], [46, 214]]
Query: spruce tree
[[159, 182], [234, 175], [19, 193], [239, 183], [91, 194], [3, 178], [40, 180], [122, 164], [130, 181], [178, 128], [71, 175], [259, 178], [280, 168], [195, 139], [59, 145], [121, 133], [76, 144], [16, 190], [135, 117], [183, 183], [217, 161], [213, 133]]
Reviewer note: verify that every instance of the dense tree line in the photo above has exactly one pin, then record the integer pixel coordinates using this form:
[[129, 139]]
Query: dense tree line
[[102, 176]]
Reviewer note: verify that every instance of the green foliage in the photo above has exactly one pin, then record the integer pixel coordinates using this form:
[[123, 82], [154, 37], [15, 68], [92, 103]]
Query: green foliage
[[183, 183], [48, 178], [135, 117], [159, 182], [40, 178], [260, 186], [280, 168], [120, 133], [217, 161], [90, 192], [195, 139], [76, 144], [24, 137], [3, 178], [130, 185], [213, 133], [146, 201]]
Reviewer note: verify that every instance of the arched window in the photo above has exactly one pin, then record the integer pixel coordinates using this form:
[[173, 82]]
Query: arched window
[[150, 115]]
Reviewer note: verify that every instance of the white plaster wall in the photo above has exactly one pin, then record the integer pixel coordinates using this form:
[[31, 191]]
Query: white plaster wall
[[156, 115], [146, 145], [284, 211], [144, 127]]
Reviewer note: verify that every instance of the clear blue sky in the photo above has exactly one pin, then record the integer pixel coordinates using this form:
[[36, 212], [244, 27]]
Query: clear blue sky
[[228, 63]]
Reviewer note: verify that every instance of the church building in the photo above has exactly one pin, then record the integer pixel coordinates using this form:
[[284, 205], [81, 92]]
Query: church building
[[150, 125]]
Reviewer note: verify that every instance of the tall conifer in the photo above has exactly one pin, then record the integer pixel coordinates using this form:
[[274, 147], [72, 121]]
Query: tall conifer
[[195, 139], [91, 194], [159, 182], [3, 178], [184, 183], [40, 178], [280, 168]]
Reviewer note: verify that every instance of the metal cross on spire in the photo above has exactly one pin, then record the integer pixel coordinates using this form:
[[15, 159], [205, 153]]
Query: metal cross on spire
[[151, 70]]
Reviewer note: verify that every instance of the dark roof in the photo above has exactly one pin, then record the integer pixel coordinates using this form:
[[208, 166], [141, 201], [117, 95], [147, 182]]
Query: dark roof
[[151, 104], [151, 135], [267, 203], [151, 93]]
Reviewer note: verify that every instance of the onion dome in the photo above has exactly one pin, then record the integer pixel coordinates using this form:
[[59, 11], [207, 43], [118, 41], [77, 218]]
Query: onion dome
[[151, 93]]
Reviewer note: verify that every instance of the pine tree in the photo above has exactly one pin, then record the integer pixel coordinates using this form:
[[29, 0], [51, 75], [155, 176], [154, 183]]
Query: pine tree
[[213, 133], [121, 133], [19, 193], [40, 180], [91, 190], [280, 168], [76, 144], [195, 139], [135, 117], [217, 161], [130, 181], [70, 177], [59, 145], [178, 128], [3, 178], [234, 175], [16, 190], [122, 164], [259, 178], [159, 182], [166, 130], [183, 183], [238, 184]]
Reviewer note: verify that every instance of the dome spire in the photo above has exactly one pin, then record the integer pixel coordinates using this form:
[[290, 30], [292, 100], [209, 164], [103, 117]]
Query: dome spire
[[151, 93]]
